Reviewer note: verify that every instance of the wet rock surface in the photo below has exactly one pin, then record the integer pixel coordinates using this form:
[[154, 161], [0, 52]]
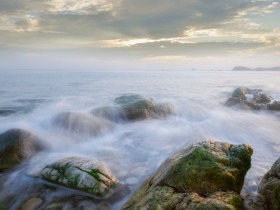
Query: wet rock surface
[[206, 175], [17, 145], [269, 187], [134, 108], [81, 123], [91, 176], [254, 201], [275, 106], [32, 204], [252, 99]]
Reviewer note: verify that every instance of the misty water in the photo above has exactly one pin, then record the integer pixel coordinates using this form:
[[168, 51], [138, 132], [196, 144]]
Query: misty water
[[133, 150]]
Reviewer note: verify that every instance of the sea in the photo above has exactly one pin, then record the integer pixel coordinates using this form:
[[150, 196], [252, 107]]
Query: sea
[[29, 99]]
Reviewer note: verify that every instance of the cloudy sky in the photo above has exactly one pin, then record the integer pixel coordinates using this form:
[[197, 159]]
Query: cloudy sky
[[139, 34]]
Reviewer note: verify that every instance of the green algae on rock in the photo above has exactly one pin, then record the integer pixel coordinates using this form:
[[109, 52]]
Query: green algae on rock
[[17, 145], [212, 172], [82, 174], [269, 187]]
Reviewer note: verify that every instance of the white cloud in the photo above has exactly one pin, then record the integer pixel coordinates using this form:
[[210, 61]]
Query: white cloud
[[81, 7], [26, 23]]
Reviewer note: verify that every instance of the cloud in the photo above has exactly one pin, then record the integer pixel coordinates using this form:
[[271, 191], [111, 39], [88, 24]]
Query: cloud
[[143, 30], [81, 7]]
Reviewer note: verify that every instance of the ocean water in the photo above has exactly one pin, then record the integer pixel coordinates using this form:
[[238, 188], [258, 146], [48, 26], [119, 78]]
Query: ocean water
[[30, 100]]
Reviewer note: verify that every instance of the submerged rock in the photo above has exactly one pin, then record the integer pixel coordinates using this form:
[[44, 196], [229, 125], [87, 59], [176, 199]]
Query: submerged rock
[[270, 187], [254, 201], [17, 145], [82, 123], [82, 174], [32, 204], [128, 99], [275, 106], [262, 98], [206, 175], [139, 110], [240, 93], [111, 113], [133, 108], [250, 99]]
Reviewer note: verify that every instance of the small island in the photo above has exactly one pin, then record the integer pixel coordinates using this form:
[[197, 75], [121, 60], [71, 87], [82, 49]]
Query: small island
[[243, 68]]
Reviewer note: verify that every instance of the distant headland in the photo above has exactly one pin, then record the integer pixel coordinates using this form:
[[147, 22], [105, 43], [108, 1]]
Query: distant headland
[[243, 68]]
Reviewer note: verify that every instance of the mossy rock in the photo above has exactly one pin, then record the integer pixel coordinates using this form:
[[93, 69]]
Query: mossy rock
[[269, 186], [91, 176], [216, 201], [193, 169], [17, 145], [81, 123], [135, 107], [139, 110], [204, 168]]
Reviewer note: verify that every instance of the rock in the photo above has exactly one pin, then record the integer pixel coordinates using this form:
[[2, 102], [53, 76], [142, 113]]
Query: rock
[[82, 123], [233, 101], [206, 173], [275, 106], [32, 204], [17, 145], [163, 110], [111, 113], [218, 200], [128, 99], [254, 105], [254, 201], [240, 93], [82, 174], [249, 99], [269, 187], [135, 107], [55, 206], [139, 110], [262, 98]]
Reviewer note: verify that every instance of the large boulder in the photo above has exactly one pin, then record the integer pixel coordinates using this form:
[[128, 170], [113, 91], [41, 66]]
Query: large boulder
[[269, 187], [133, 108], [90, 176], [206, 175], [249, 99], [82, 123], [17, 145]]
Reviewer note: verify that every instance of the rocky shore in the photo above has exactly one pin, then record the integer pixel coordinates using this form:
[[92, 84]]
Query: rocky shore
[[205, 175]]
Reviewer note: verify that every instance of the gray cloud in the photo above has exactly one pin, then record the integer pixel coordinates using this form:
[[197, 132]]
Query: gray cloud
[[207, 27]]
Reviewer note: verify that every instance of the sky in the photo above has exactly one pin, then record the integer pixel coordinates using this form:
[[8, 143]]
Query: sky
[[139, 34]]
